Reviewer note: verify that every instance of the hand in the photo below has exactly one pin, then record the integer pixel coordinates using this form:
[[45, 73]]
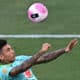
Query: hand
[[72, 44], [45, 47]]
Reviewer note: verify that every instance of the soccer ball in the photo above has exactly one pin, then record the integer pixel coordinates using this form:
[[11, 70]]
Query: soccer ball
[[37, 12]]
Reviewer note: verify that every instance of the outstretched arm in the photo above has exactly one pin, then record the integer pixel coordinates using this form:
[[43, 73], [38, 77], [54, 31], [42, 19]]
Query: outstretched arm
[[55, 54], [29, 63]]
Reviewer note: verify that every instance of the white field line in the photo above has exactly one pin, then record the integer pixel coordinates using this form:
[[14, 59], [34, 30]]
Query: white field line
[[40, 36]]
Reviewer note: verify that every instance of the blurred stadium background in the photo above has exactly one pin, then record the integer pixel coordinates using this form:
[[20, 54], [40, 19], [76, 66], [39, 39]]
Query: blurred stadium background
[[64, 18]]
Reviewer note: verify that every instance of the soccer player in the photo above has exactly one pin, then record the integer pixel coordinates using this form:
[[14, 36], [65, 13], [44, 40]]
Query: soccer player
[[19, 67]]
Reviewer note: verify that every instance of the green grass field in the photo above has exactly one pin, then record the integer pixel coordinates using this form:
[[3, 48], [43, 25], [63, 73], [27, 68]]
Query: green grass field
[[64, 18]]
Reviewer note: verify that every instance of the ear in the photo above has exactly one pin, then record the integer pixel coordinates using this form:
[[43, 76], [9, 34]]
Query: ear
[[1, 57]]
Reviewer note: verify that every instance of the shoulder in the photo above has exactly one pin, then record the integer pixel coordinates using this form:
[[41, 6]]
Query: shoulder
[[23, 57], [20, 59]]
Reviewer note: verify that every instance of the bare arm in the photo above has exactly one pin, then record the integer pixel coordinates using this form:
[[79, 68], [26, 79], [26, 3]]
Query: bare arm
[[29, 63], [50, 56], [38, 58], [55, 54]]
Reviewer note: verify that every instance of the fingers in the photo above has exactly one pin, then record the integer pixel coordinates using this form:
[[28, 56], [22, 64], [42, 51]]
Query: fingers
[[75, 41], [45, 46], [72, 44]]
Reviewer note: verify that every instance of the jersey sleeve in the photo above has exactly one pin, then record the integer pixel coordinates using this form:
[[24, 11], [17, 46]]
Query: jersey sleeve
[[23, 57]]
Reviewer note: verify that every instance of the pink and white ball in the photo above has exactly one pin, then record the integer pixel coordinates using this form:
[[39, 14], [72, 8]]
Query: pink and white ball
[[37, 12]]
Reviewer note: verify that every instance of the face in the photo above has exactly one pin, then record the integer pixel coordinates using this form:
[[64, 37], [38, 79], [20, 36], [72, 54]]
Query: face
[[8, 54]]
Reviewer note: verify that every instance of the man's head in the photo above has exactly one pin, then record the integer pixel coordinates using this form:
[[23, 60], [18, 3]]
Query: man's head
[[7, 54]]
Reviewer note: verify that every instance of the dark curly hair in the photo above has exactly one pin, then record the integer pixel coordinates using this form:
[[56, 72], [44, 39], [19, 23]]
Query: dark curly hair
[[2, 43]]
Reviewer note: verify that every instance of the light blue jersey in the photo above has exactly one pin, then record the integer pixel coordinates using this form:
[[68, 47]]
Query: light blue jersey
[[5, 69]]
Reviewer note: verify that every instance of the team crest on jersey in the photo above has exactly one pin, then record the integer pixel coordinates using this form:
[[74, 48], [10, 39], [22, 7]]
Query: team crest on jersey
[[28, 74], [4, 70]]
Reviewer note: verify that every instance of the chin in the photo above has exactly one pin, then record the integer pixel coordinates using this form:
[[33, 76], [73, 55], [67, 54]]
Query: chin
[[13, 59]]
